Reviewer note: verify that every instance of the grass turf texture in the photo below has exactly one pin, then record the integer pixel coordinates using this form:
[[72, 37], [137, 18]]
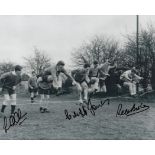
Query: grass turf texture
[[104, 125]]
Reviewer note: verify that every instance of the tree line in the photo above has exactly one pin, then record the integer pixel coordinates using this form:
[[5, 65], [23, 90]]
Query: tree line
[[100, 48]]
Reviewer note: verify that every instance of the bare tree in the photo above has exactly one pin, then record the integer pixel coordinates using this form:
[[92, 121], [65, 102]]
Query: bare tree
[[38, 61], [146, 55], [99, 48], [6, 67]]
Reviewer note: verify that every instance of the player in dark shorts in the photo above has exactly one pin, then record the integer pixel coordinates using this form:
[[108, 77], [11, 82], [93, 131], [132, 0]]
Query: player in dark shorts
[[56, 74], [82, 80], [8, 83], [32, 86], [94, 76], [44, 88]]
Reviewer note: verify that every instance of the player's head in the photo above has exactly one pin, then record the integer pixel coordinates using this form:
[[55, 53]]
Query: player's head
[[49, 78], [133, 70], [95, 63], [86, 66], [60, 65], [33, 73], [18, 69]]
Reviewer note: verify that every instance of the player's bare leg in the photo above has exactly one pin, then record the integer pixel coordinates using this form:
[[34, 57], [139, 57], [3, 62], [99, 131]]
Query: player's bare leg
[[13, 103], [42, 103], [46, 104], [85, 91], [32, 97], [4, 104]]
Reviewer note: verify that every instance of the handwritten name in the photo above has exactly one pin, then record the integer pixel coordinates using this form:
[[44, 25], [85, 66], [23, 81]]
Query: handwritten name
[[131, 111], [15, 119], [83, 110]]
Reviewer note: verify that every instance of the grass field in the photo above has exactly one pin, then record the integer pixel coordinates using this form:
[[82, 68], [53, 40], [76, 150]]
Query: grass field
[[104, 125]]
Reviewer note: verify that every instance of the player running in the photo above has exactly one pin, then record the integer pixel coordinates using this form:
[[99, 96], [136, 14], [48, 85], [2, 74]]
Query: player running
[[103, 74], [8, 83], [51, 79], [56, 74], [44, 88], [32, 86], [82, 80], [94, 77]]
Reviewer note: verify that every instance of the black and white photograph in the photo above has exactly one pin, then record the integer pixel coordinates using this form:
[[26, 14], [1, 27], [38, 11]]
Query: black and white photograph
[[77, 77]]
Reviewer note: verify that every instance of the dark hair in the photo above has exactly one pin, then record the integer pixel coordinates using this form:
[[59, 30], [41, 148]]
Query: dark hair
[[86, 65], [18, 68], [134, 70], [33, 72], [95, 62], [61, 63]]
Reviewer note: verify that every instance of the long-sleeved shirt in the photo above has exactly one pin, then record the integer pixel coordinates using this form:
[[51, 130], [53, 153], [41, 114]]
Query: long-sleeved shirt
[[32, 82], [55, 73], [128, 76], [80, 75], [93, 72], [9, 79]]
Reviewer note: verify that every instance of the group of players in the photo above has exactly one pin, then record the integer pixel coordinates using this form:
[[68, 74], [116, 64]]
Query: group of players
[[88, 80]]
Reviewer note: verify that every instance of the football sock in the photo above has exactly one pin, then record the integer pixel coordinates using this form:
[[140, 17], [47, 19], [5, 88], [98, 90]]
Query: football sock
[[13, 109], [3, 108]]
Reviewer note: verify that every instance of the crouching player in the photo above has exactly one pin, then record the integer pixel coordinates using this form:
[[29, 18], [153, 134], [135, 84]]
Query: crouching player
[[8, 82], [32, 86], [55, 72], [103, 74], [94, 79], [53, 80], [130, 78], [82, 80]]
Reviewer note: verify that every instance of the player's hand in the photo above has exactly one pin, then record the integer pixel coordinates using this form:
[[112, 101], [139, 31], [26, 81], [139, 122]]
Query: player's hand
[[107, 74], [14, 87], [92, 81], [73, 83], [142, 78]]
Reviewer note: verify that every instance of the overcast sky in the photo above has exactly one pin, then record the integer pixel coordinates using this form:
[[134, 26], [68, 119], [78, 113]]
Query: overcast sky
[[59, 35]]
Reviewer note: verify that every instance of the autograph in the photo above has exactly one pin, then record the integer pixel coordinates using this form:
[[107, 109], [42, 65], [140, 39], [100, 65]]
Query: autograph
[[16, 119], [83, 111], [132, 111]]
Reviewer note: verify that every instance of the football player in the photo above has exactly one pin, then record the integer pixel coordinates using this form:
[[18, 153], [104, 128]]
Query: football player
[[82, 81], [55, 73], [130, 78], [8, 83], [93, 75], [32, 86]]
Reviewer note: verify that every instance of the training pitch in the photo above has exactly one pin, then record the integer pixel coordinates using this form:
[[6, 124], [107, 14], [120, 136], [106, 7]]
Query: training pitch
[[103, 125]]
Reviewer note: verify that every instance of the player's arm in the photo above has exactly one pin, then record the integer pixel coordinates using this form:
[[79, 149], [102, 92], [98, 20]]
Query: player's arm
[[39, 80], [126, 76], [29, 83], [3, 78], [137, 78], [69, 76], [87, 78]]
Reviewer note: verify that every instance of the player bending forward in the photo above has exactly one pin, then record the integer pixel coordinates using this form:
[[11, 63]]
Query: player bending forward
[[94, 77], [130, 78], [55, 73], [8, 83], [82, 80], [52, 75]]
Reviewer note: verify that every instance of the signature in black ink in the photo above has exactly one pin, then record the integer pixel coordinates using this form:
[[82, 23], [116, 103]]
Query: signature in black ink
[[83, 110], [132, 111], [16, 119]]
